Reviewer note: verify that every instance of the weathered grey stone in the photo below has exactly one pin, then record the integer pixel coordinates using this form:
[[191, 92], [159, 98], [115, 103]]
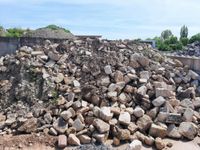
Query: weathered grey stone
[[59, 78], [142, 90], [174, 118], [28, 126], [48, 118], [135, 145], [159, 101], [144, 75], [123, 134], [124, 118], [100, 137], [105, 113], [157, 131], [132, 127], [187, 103], [164, 92], [112, 94], [52, 131], [188, 93], [54, 56], [76, 83], [123, 98], [118, 77], [159, 143], [67, 114], [188, 130], [193, 75], [188, 114], [60, 125], [73, 140], [78, 124], [62, 141], [144, 123], [84, 139], [138, 112], [173, 132], [196, 102], [101, 126], [108, 69]]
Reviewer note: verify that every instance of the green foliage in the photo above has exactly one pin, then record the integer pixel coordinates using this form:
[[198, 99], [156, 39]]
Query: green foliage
[[194, 38], [55, 97], [184, 41], [2, 32], [55, 27], [169, 44], [184, 32], [15, 32], [166, 34]]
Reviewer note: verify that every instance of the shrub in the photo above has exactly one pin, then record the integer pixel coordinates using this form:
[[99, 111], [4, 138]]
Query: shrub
[[55, 27], [184, 32], [15, 32], [195, 38], [184, 41], [169, 44]]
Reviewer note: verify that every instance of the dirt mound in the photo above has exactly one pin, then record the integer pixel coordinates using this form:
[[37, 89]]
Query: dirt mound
[[50, 33]]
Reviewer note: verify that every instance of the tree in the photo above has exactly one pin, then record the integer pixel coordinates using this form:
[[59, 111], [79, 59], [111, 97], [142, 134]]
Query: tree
[[195, 38], [184, 32], [166, 34]]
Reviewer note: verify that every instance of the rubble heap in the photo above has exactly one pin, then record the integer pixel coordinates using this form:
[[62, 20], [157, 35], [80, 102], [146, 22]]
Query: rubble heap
[[190, 50], [87, 91]]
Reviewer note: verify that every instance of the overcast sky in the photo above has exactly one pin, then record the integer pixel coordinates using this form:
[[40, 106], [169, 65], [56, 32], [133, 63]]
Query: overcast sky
[[114, 19]]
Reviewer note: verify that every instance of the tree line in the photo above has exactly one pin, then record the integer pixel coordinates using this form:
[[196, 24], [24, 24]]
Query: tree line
[[168, 42]]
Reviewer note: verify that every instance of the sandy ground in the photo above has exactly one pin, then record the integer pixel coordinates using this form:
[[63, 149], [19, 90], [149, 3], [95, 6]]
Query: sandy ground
[[44, 142]]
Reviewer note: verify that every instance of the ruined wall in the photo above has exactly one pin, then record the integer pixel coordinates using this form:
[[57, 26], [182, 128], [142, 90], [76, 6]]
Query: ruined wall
[[8, 45], [192, 62]]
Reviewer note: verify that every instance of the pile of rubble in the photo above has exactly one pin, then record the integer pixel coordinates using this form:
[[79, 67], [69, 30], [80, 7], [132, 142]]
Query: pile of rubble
[[190, 50], [88, 91]]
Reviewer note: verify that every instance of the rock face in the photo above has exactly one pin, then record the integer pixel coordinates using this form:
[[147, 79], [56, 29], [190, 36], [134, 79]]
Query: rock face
[[93, 89]]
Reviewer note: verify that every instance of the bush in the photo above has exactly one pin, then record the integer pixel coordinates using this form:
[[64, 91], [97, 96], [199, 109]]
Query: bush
[[169, 44], [184, 41], [55, 27], [195, 38], [15, 32]]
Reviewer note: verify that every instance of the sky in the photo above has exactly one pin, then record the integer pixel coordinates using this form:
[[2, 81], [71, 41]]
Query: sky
[[113, 19]]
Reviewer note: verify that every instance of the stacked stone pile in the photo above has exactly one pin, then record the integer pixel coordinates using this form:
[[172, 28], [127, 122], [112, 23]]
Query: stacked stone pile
[[190, 50], [88, 91]]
